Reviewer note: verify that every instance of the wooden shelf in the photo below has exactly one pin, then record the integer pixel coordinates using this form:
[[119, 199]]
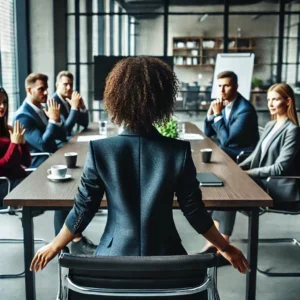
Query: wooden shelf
[[207, 48]]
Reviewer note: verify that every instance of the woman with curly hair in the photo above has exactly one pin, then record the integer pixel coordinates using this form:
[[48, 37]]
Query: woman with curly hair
[[14, 153], [139, 171]]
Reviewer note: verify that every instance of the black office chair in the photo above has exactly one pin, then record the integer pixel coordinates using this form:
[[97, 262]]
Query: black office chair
[[13, 211], [192, 100], [244, 154], [287, 208], [131, 277], [280, 207]]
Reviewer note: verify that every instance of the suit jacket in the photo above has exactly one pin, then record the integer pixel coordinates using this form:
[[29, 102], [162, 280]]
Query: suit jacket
[[40, 138], [71, 118], [280, 157], [139, 173], [240, 132]]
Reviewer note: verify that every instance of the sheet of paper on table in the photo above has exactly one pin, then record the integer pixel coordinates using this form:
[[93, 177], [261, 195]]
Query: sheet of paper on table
[[192, 136], [88, 138]]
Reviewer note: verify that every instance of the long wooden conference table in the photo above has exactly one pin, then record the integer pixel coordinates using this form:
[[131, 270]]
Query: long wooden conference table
[[239, 191]]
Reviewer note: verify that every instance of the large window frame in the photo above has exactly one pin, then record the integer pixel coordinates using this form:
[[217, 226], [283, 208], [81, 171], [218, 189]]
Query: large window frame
[[112, 13]]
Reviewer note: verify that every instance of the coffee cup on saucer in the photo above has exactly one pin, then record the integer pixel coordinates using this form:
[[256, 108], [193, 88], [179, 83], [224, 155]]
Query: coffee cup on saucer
[[58, 171]]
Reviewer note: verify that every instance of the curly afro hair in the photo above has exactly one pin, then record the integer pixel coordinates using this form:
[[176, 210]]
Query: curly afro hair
[[139, 92]]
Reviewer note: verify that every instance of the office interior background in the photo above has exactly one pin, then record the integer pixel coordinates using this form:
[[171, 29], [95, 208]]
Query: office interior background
[[50, 36]]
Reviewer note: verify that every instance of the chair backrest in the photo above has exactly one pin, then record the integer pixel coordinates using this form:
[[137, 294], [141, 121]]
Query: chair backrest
[[136, 276], [5, 187]]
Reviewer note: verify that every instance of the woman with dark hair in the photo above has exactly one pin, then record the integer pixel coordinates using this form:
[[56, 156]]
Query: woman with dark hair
[[277, 153], [139, 171], [14, 152]]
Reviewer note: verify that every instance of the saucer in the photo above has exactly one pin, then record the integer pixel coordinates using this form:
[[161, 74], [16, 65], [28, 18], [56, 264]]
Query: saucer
[[55, 178]]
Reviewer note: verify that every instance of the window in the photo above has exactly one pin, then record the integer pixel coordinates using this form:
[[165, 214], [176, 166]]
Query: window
[[8, 74]]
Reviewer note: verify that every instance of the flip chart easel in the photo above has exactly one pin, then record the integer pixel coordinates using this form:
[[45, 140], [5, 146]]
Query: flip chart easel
[[239, 63]]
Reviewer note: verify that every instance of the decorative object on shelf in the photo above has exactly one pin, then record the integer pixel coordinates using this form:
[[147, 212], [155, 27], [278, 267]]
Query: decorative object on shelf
[[169, 130], [208, 44], [180, 45], [191, 44]]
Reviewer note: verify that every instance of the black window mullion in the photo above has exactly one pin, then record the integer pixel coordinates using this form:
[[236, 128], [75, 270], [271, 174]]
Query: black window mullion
[[120, 32], [111, 27], [226, 23], [100, 21], [77, 45], [280, 41]]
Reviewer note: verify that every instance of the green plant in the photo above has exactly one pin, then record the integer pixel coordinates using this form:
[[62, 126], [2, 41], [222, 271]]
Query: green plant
[[256, 82], [170, 129]]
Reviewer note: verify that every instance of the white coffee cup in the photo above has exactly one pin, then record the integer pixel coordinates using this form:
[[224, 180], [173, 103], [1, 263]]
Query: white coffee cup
[[58, 171]]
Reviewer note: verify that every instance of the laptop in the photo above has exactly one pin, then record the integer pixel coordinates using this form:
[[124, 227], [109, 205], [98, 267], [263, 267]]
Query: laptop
[[209, 179]]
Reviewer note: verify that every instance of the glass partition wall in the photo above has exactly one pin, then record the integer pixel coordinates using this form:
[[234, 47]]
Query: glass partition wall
[[193, 35]]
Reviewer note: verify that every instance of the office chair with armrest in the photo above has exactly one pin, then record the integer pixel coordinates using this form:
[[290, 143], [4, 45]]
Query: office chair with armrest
[[289, 208], [244, 154], [48, 154], [94, 277], [13, 211]]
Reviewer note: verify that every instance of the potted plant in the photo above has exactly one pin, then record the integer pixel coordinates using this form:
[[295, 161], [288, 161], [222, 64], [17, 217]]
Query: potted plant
[[170, 129], [256, 83]]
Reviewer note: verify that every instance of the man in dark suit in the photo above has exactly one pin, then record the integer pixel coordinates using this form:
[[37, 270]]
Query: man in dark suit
[[72, 107], [231, 119], [43, 127]]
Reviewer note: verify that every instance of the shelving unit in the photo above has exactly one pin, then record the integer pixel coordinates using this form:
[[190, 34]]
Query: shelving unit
[[202, 51]]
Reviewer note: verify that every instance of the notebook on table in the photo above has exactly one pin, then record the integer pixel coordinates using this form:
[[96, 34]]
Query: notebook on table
[[209, 179]]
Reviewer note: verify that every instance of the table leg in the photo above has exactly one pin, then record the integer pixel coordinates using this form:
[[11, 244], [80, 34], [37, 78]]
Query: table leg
[[28, 252], [252, 253]]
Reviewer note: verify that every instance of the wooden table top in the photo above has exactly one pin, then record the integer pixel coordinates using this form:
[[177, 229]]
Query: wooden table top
[[238, 190]]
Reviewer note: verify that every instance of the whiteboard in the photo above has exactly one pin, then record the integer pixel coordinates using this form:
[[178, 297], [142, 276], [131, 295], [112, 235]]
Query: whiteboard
[[239, 63]]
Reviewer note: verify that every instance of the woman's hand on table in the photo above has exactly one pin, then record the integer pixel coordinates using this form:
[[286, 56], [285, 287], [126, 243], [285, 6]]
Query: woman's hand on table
[[42, 257]]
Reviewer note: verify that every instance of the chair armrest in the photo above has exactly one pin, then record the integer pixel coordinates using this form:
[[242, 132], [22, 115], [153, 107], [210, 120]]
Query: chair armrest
[[242, 154], [29, 170], [3, 178], [41, 154], [278, 177]]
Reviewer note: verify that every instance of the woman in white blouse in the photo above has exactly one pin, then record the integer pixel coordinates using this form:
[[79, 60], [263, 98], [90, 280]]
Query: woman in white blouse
[[275, 154]]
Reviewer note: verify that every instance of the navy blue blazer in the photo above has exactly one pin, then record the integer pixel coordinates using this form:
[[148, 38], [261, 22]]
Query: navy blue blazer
[[240, 132], [40, 138], [71, 118], [139, 173]]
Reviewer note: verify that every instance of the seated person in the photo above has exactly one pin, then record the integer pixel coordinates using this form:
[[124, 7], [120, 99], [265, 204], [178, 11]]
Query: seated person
[[14, 153], [72, 107], [139, 171], [43, 127], [275, 153], [231, 119], [72, 113]]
